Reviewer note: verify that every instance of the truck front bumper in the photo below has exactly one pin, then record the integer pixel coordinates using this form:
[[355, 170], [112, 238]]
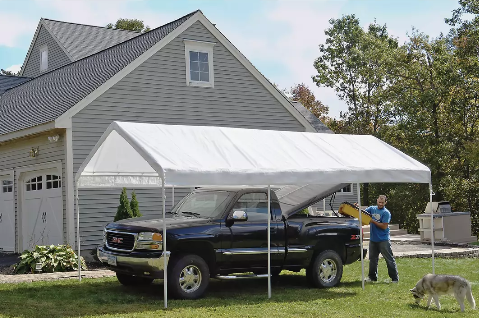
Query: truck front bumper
[[143, 264]]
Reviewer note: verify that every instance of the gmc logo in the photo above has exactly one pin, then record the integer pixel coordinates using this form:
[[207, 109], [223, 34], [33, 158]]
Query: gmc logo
[[117, 240]]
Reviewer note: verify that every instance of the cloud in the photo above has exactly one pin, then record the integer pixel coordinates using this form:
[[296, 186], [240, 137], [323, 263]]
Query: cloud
[[288, 35], [13, 27], [14, 68], [103, 12]]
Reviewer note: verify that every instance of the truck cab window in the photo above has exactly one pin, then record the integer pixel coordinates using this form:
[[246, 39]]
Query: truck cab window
[[255, 204]]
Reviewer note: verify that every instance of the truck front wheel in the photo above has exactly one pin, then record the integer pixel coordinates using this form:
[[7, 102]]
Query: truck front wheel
[[189, 277], [326, 269]]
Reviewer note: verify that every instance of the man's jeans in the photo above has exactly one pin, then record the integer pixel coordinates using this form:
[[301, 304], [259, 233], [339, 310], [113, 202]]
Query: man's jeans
[[384, 248]]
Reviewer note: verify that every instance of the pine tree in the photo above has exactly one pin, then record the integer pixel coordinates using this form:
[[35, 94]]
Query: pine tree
[[124, 209], [135, 209]]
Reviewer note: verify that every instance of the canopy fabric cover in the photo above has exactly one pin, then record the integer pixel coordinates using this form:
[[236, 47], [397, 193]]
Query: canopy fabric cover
[[139, 155]]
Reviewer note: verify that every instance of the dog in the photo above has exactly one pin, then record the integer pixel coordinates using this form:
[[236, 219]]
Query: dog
[[436, 285]]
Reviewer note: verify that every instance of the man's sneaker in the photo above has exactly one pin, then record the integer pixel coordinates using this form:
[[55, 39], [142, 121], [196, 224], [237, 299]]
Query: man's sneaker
[[369, 280], [395, 281]]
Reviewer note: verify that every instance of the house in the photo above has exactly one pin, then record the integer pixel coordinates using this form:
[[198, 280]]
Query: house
[[76, 79]]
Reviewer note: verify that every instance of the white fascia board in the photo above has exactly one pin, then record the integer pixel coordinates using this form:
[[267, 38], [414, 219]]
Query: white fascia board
[[27, 132], [64, 121]]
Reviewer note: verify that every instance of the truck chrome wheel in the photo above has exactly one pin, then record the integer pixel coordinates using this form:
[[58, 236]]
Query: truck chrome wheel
[[328, 270], [190, 278]]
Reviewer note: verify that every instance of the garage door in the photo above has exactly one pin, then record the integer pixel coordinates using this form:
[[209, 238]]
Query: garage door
[[42, 209], [7, 215]]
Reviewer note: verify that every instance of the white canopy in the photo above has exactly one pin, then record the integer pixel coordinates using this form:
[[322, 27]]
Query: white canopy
[[136, 154], [152, 155]]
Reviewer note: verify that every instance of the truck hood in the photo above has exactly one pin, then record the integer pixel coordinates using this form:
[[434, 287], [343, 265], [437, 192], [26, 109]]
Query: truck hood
[[293, 199], [155, 223]]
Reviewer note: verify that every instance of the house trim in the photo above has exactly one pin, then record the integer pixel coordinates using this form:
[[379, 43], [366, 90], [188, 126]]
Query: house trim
[[27, 132], [64, 121], [20, 173], [70, 195]]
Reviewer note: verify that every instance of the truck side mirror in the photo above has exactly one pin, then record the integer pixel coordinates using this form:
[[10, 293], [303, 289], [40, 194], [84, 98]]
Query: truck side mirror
[[240, 216]]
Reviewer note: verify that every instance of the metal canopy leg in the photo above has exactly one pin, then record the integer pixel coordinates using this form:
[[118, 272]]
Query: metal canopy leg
[[165, 276], [432, 226], [269, 241], [361, 236]]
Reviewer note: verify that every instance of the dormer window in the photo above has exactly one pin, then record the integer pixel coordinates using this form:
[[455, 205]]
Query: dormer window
[[199, 63], [43, 58]]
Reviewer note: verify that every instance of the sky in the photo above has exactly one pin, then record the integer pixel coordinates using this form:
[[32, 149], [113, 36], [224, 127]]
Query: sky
[[280, 37]]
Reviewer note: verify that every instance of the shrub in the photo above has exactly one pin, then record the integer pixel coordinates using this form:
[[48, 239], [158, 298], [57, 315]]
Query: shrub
[[124, 209], [54, 258], [304, 211], [135, 209]]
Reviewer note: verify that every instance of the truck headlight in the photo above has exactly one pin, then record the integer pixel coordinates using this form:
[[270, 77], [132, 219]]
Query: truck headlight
[[149, 236], [149, 241]]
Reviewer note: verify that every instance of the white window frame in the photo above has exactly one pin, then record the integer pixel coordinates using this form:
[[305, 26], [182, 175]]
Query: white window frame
[[203, 47], [43, 66], [342, 192]]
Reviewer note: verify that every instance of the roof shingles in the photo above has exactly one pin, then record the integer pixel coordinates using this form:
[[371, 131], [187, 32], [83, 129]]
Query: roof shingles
[[81, 40], [45, 98]]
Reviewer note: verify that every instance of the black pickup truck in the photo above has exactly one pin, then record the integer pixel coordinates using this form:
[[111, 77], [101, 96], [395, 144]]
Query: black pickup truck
[[213, 233]]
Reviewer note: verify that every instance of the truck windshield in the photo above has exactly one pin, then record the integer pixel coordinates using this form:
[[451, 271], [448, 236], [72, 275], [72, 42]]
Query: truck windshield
[[204, 204]]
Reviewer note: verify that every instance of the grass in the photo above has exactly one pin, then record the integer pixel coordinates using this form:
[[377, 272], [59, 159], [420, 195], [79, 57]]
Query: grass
[[292, 297], [474, 243]]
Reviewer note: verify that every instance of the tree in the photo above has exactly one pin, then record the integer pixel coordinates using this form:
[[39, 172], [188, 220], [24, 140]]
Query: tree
[[10, 73], [135, 209], [129, 24], [305, 96], [354, 63], [124, 210]]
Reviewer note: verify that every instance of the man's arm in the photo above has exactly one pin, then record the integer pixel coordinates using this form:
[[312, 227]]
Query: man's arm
[[382, 226]]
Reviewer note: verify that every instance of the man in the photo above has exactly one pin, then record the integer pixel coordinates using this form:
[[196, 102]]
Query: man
[[379, 241]]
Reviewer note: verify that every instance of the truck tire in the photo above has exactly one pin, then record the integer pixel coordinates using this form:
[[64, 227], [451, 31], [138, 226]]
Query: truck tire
[[326, 269], [188, 277], [130, 280]]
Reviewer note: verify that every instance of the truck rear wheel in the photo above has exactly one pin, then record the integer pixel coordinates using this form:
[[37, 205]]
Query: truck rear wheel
[[130, 280], [189, 277], [326, 269]]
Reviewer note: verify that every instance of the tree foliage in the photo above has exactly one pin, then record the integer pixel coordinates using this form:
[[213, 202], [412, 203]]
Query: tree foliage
[[10, 73], [124, 209], [305, 96], [134, 25], [421, 97], [135, 209]]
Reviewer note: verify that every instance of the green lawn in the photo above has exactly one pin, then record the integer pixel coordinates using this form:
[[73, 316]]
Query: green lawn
[[243, 298]]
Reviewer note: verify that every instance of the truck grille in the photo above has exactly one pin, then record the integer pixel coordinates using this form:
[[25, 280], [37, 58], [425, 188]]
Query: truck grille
[[120, 241]]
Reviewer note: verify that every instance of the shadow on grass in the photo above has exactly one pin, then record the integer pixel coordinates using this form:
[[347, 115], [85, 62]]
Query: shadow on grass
[[433, 308], [107, 296]]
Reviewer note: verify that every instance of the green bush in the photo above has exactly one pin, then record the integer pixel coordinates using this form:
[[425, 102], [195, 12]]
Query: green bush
[[304, 211], [124, 209], [54, 258], [135, 209]]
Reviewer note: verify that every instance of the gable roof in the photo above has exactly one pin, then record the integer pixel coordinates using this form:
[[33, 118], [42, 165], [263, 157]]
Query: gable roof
[[317, 124], [46, 97], [80, 40], [58, 95], [9, 81]]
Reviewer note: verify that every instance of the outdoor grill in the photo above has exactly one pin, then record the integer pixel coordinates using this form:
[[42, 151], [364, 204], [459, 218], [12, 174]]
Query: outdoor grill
[[453, 227]]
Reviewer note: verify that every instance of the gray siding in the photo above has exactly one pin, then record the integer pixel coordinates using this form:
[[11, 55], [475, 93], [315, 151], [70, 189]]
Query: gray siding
[[15, 155], [156, 92], [340, 198], [56, 57]]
